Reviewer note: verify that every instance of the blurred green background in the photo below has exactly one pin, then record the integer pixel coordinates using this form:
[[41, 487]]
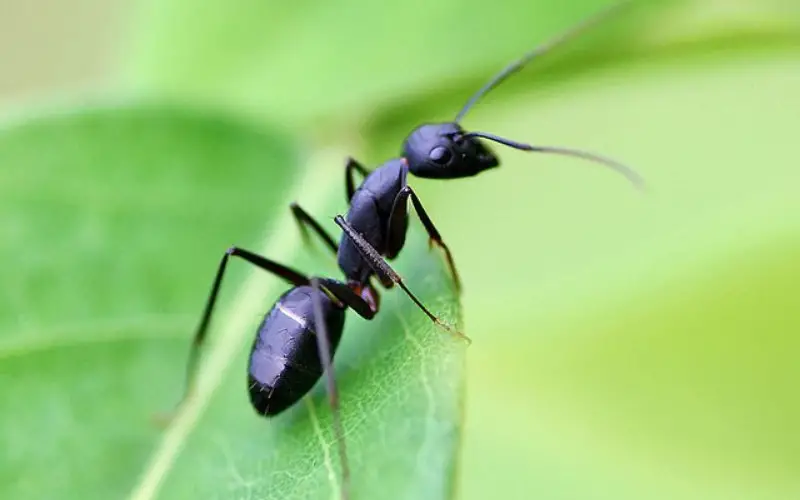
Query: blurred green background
[[625, 346]]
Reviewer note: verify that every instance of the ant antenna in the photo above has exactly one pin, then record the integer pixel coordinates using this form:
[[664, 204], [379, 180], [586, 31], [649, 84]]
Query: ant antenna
[[538, 51], [628, 172]]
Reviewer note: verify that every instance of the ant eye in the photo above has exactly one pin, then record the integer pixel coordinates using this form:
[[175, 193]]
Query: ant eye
[[440, 155]]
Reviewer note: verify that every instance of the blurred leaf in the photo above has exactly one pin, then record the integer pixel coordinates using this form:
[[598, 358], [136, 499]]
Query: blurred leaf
[[113, 222], [648, 35], [635, 346], [318, 57], [343, 60], [684, 390]]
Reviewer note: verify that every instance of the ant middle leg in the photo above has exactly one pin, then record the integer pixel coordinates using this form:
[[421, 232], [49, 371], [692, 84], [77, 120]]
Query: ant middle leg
[[387, 275], [305, 220], [397, 224], [350, 183]]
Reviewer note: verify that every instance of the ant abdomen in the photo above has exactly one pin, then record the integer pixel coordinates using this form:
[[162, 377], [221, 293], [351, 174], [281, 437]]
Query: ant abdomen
[[284, 362]]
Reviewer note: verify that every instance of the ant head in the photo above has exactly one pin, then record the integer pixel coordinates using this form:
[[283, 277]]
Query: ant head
[[445, 151]]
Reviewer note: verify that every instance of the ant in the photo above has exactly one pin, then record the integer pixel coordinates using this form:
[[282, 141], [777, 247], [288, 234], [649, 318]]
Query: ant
[[297, 339]]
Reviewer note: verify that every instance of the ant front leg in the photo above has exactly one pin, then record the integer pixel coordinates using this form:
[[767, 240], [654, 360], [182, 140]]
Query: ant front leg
[[284, 272], [348, 298], [350, 183], [386, 274], [397, 226], [324, 349]]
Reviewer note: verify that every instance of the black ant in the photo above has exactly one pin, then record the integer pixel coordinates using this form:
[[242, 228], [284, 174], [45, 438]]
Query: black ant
[[298, 337]]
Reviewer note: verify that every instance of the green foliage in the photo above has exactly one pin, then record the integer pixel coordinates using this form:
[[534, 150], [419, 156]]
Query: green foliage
[[625, 346], [112, 222], [130, 206], [336, 57]]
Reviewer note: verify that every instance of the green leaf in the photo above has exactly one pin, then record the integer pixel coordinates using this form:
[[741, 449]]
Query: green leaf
[[114, 221], [111, 221]]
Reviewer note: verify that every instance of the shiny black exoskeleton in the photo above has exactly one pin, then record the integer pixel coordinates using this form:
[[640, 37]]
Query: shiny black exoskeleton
[[284, 362]]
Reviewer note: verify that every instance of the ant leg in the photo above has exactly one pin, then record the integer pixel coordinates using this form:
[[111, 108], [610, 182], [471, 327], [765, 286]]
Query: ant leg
[[350, 183], [286, 273], [367, 308], [349, 298], [386, 274], [397, 218], [304, 220], [324, 348]]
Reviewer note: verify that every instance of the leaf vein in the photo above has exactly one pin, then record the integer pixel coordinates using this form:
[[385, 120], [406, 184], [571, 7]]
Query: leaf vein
[[326, 449]]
